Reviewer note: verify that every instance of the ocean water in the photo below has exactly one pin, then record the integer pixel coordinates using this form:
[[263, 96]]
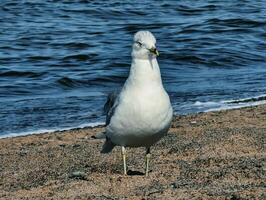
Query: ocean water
[[59, 59]]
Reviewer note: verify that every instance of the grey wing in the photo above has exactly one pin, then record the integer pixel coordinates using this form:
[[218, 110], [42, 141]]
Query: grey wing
[[109, 110], [110, 106]]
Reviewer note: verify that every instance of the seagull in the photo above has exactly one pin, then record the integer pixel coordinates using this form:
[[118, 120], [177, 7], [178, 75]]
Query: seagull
[[141, 113]]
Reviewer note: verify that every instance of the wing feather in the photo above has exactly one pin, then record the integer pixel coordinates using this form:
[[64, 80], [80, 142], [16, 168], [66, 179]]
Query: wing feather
[[110, 106]]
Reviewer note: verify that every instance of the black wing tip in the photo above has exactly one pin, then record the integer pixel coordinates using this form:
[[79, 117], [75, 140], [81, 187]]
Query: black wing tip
[[107, 146]]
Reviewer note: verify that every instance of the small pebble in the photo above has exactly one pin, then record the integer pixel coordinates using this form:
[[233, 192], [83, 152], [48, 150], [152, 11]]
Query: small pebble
[[78, 175], [76, 145], [173, 185]]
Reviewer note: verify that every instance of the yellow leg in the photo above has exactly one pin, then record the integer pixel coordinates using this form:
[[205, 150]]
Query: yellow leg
[[124, 160], [148, 156]]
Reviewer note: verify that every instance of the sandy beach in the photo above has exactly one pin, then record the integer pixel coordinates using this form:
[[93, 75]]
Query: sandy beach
[[215, 155]]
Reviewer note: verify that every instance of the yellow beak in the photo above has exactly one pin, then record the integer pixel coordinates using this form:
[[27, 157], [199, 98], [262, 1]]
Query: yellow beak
[[154, 51]]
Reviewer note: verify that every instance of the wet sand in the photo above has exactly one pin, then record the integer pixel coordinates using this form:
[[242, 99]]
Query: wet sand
[[215, 155]]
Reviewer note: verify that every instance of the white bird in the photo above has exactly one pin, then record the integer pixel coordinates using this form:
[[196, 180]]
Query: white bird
[[141, 114]]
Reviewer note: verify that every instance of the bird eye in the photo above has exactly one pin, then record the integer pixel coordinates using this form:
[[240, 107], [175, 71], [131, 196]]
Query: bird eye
[[139, 43]]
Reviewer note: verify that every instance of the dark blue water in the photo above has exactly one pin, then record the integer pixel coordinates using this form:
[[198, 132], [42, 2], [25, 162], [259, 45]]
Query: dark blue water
[[59, 59]]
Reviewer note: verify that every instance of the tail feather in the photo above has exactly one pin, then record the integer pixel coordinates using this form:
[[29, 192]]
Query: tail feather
[[107, 146]]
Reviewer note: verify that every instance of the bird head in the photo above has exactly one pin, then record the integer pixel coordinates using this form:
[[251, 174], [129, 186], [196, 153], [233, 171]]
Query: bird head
[[144, 45]]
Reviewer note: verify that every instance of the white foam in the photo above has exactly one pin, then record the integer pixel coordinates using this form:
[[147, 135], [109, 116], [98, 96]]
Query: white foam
[[206, 104], [209, 106], [244, 99], [239, 105], [94, 124]]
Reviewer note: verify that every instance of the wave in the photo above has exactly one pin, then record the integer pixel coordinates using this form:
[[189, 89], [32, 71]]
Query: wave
[[80, 57], [20, 74], [41, 131], [66, 82], [247, 100], [236, 22], [39, 58], [188, 10], [230, 104]]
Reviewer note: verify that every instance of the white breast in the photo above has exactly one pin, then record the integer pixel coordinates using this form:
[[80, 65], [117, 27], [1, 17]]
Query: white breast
[[142, 117], [144, 111]]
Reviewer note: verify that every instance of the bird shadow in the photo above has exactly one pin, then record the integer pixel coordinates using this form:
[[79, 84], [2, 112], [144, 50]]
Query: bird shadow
[[135, 173]]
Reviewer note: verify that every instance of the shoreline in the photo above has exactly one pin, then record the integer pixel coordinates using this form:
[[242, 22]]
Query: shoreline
[[47, 131], [100, 124], [211, 155]]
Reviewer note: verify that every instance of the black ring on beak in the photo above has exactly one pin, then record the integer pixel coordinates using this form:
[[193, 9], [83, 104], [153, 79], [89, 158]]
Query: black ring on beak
[[154, 51]]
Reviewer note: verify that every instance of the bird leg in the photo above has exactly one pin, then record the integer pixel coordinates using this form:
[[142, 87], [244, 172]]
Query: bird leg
[[148, 156], [124, 159]]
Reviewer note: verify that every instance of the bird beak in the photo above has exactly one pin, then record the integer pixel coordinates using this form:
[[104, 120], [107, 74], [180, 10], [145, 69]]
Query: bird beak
[[154, 51]]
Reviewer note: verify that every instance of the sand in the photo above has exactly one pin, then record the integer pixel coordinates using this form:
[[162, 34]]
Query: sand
[[215, 155]]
